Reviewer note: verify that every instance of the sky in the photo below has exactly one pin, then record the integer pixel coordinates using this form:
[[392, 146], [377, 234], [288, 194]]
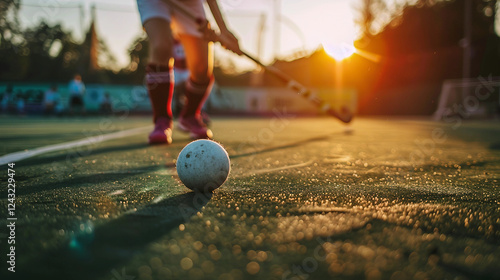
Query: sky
[[299, 24]]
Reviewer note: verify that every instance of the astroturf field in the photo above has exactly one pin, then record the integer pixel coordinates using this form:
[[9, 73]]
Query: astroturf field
[[307, 198]]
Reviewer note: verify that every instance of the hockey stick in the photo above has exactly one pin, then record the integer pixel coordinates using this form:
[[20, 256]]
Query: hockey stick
[[345, 115]]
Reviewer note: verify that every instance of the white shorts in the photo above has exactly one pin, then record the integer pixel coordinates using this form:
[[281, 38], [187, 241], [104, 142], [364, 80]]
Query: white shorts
[[180, 23]]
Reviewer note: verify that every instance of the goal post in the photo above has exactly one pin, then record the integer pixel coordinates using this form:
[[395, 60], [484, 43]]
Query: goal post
[[469, 98]]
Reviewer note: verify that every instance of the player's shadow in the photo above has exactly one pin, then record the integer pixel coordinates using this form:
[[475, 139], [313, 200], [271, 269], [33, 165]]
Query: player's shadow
[[494, 146], [282, 147], [93, 253], [76, 181]]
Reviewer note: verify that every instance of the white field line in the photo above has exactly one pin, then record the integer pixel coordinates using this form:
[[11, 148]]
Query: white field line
[[18, 156]]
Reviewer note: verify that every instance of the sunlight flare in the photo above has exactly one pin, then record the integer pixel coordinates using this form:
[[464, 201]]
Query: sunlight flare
[[339, 51]]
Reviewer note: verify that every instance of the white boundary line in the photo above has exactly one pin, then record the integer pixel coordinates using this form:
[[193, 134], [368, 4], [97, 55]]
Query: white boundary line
[[18, 156]]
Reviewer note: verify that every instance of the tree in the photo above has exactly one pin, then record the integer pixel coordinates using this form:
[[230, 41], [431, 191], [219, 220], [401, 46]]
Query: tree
[[10, 39], [50, 53], [138, 51], [9, 19]]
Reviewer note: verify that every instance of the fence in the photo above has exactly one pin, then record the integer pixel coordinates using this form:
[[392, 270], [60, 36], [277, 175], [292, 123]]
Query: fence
[[247, 100]]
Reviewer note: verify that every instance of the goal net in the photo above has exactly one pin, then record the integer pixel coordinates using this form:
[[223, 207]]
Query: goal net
[[469, 98]]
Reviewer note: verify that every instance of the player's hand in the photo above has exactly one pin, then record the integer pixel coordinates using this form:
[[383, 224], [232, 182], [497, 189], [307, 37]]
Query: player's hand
[[206, 31], [230, 42], [226, 38]]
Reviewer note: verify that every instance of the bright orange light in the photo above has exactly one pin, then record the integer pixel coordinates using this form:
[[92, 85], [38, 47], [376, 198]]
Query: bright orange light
[[339, 51], [373, 57]]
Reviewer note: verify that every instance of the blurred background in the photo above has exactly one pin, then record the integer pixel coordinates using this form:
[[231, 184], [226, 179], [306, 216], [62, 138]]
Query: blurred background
[[388, 57]]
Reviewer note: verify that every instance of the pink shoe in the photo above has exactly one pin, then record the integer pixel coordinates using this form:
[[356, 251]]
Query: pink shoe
[[195, 127], [162, 133]]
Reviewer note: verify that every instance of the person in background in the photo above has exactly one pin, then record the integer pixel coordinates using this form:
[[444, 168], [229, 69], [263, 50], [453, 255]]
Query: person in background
[[50, 100], [21, 103], [105, 106], [76, 94], [181, 76], [6, 98]]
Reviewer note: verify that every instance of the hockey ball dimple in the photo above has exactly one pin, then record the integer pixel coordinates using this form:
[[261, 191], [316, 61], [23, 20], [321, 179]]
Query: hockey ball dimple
[[203, 165]]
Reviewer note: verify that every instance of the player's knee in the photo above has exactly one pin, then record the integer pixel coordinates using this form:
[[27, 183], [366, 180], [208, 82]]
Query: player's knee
[[161, 50], [201, 76]]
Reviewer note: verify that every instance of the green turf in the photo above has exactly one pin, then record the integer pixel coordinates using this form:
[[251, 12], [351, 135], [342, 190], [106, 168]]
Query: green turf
[[306, 198], [20, 133]]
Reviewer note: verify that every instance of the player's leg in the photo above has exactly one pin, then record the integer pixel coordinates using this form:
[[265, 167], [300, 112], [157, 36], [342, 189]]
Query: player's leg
[[200, 64], [155, 17], [159, 78]]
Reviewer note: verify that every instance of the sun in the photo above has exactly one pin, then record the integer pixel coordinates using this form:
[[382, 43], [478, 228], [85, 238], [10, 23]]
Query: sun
[[336, 29], [339, 51]]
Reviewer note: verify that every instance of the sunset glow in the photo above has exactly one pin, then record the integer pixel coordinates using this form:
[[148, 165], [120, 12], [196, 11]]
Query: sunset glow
[[339, 51], [326, 23]]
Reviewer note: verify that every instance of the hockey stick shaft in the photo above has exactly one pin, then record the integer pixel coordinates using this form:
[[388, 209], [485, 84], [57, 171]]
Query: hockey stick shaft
[[344, 116]]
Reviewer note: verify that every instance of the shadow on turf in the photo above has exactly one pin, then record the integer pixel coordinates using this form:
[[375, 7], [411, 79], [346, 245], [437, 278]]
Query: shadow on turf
[[96, 253], [282, 147], [71, 155], [87, 180]]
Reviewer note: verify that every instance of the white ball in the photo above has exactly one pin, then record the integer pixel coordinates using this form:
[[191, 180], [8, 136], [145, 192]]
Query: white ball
[[203, 165]]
